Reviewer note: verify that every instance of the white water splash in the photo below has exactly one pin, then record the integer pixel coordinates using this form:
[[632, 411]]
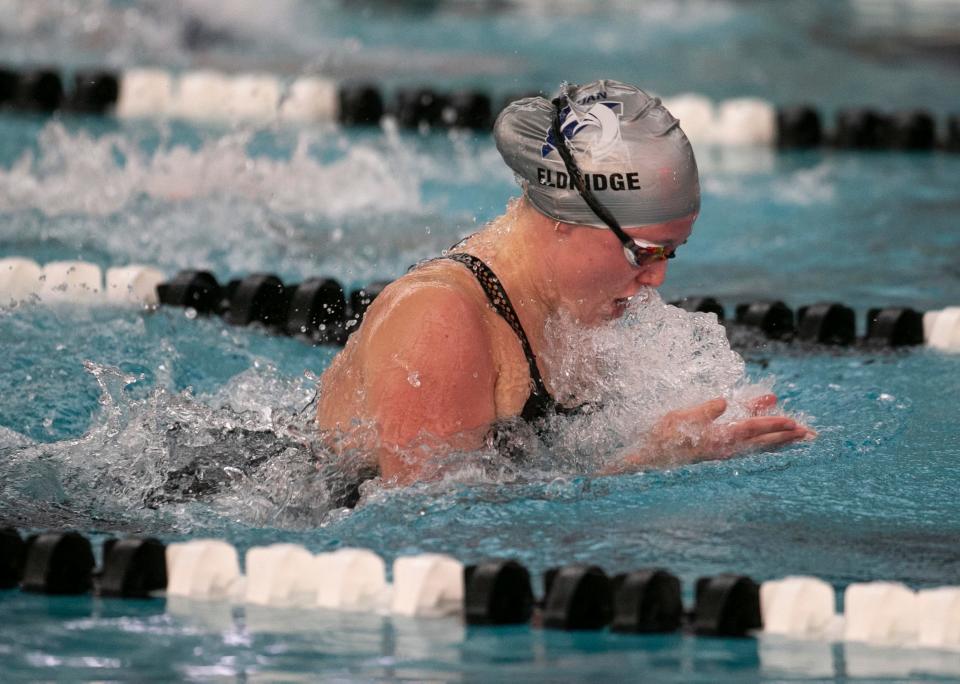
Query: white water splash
[[657, 359], [166, 32], [166, 450], [77, 173]]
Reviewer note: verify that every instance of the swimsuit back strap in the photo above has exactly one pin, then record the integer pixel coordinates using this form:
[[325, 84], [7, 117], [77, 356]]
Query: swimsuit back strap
[[501, 304]]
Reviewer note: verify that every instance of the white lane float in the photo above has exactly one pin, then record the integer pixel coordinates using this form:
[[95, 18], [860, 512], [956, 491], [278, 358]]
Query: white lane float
[[941, 329], [350, 579], [798, 606], [697, 116], [133, 284], [20, 280], [939, 618], [310, 100], [203, 569], [76, 282], [71, 281], [252, 97], [280, 575], [745, 121], [145, 93], [201, 96], [880, 613], [428, 585]]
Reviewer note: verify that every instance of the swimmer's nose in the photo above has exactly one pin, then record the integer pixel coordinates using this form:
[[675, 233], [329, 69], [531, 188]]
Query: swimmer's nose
[[652, 275]]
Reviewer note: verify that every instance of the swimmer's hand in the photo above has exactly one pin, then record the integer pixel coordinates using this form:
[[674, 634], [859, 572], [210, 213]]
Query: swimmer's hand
[[692, 435]]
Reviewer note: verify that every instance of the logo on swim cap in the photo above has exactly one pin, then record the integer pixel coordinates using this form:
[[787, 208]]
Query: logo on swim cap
[[602, 119]]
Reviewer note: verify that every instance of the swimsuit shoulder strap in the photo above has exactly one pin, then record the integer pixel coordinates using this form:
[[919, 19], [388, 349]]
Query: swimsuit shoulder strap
[[501, 304]]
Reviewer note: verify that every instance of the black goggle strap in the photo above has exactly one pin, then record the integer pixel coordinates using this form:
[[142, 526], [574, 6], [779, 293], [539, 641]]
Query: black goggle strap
[[630, 248]]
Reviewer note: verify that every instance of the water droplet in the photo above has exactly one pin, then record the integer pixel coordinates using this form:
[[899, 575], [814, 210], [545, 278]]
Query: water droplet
[[190, 313], [414, 378]]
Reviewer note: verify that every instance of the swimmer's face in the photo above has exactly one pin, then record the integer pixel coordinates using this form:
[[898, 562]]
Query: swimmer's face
[[598, 280]]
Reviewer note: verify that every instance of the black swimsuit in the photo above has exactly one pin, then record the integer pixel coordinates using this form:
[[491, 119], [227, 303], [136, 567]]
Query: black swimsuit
[[540, 403]]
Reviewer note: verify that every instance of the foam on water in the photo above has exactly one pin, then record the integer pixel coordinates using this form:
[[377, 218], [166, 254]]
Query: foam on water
[[166, 33], [308, 202], [77, 173]]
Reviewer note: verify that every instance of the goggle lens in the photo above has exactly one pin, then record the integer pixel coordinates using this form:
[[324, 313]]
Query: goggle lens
[[640, 253]]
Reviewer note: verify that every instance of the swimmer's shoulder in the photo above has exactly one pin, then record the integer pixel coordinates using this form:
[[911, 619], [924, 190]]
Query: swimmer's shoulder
[[430, 305], [438, 294], [430, 322], [427, 353]]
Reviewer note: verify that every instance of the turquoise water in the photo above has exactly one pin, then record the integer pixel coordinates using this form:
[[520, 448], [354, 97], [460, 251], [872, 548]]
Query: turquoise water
[[89, 397]]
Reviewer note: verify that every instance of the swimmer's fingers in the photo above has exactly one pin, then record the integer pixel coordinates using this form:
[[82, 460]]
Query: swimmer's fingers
[[759, 434], [756, 427], [762, 404], [704, 413], [774, 439]]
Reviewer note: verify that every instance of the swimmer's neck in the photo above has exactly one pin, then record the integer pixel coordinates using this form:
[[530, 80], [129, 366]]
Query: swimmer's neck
[[505, 246]]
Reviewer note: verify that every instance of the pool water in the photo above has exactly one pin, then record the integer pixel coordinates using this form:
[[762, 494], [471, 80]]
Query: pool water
[[91, 397]]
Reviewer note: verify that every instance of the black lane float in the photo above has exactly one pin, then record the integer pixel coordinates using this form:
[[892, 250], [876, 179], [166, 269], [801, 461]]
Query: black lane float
[[319, 311]]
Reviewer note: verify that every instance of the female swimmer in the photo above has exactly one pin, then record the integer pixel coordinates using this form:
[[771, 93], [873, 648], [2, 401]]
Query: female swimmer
[[449, 351]]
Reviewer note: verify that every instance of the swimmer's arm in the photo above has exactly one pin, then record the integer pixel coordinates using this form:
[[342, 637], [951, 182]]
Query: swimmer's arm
[[430, 382], [692, 435]]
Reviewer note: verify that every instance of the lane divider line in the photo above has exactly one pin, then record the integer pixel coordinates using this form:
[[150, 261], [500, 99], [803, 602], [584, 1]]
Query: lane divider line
[[206, 572], [209, 96]]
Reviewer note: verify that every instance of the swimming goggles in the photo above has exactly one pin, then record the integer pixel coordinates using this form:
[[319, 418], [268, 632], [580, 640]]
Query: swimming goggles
[[638, 252]]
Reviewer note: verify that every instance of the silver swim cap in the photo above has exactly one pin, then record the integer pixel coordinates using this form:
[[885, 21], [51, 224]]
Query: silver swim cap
[[634, 157]]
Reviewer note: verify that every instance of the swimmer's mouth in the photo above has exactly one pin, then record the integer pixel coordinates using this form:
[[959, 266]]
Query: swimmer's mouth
[[620, 305]]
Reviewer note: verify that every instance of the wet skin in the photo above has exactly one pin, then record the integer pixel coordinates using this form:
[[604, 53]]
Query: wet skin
[[433, 365]]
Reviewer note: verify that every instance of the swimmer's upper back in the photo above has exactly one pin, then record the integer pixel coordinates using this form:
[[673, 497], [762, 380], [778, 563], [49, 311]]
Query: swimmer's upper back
[[429, 358]]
